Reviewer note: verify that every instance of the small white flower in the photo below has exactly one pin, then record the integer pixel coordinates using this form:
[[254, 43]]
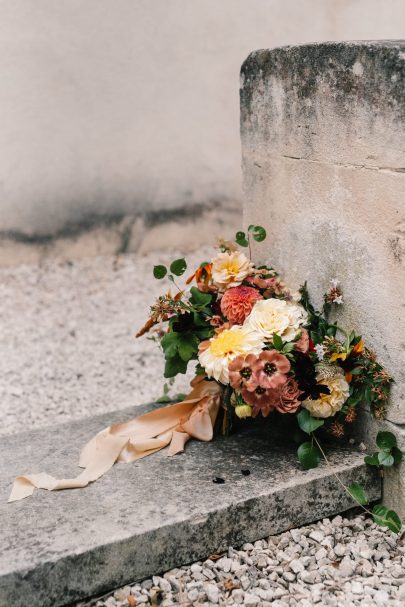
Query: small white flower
[[320, 351], [338, 299], [334, 282]]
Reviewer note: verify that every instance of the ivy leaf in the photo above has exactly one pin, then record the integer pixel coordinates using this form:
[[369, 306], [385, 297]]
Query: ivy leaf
[[159, 272], [258, 233], [277, 342], [386, 440], [397, 455], [358, 494], [385, 458], [386, 518], [241, 240], [372, 460], [178, 267], [307, 423], [309, 455]]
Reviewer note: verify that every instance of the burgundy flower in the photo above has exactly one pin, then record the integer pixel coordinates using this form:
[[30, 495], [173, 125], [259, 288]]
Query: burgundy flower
[[302, 345], [286, 397], [241, 373], [270, 369], [260, 399]]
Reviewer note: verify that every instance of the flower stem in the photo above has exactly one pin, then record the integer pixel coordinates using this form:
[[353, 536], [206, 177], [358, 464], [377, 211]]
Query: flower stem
[[336, 476]]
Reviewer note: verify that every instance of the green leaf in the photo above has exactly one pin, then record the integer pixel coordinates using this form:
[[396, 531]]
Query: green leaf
[[187, 346], [358, 494], [199, 298], [277, 342], [372, 460], [397, 455], [307, 423], [331, 331], [241, 240], [159, 272], [386, 440], [386, 518], [169, 343], [385, 458], [174, 366], [164, 399], [288, 347], [258, 233], [178, 267], [309, 455]]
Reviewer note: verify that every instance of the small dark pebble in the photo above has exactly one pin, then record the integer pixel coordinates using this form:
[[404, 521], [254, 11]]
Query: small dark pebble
[[245, 472], [218, 480]]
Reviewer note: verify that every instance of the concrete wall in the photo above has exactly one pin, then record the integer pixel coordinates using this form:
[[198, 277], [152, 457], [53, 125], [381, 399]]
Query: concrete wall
[[323, 134], [117, 107]]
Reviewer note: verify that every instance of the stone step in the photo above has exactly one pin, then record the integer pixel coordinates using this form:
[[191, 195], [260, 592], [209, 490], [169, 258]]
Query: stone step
[[149, 516]]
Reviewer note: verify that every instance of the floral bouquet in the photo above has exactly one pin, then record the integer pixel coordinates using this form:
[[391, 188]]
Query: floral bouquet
[[270, 352], [260, 351]]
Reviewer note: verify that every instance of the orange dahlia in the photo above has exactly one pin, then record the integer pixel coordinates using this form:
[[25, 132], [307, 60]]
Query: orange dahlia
[[237, 303]]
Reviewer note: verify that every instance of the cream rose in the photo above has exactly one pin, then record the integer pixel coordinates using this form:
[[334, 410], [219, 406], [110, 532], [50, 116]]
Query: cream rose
[[216, 354], [270, 316], [230, 269], [329, 404]]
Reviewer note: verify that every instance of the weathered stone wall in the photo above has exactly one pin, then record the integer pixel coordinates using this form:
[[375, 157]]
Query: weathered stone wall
[[323, 135]]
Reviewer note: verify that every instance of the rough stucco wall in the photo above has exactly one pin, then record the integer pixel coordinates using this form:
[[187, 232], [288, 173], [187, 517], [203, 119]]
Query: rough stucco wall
[[110, 107], [324, 170]]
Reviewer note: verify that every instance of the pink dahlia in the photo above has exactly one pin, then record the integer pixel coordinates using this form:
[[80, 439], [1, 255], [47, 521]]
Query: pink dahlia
[[270, 369], [237, 303]]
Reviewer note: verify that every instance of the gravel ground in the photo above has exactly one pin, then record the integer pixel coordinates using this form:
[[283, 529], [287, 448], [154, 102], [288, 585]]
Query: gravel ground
[[69, 351], [339, 562], [68, 346]]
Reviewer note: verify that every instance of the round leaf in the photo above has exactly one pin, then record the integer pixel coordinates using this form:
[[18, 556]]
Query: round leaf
[[358, 494], [309, 455], [372, 460], [159, 272], [178, 267], [386, 440], [386, 518], [241, 239], [385, 458], [307, 423], [258, 233]]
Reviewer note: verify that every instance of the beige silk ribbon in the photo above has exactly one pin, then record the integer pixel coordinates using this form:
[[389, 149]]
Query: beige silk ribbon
[[170, 426]]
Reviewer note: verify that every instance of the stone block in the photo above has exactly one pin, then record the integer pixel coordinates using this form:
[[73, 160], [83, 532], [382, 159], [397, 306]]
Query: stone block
[[150, 516], [323, 145], [323, 140]]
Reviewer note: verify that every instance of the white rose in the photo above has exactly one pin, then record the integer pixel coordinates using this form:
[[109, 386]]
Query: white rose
[[230, 269], [270, 316]]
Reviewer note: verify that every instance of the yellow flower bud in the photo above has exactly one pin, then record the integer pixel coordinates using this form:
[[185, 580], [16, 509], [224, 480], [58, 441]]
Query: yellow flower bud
[[243, 411]]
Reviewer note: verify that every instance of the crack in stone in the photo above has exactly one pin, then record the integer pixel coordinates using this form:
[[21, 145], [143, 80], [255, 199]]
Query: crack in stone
[[346, 165]]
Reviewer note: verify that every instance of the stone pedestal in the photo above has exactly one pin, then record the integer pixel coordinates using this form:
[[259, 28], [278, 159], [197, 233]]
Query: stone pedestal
[[323, 142]]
